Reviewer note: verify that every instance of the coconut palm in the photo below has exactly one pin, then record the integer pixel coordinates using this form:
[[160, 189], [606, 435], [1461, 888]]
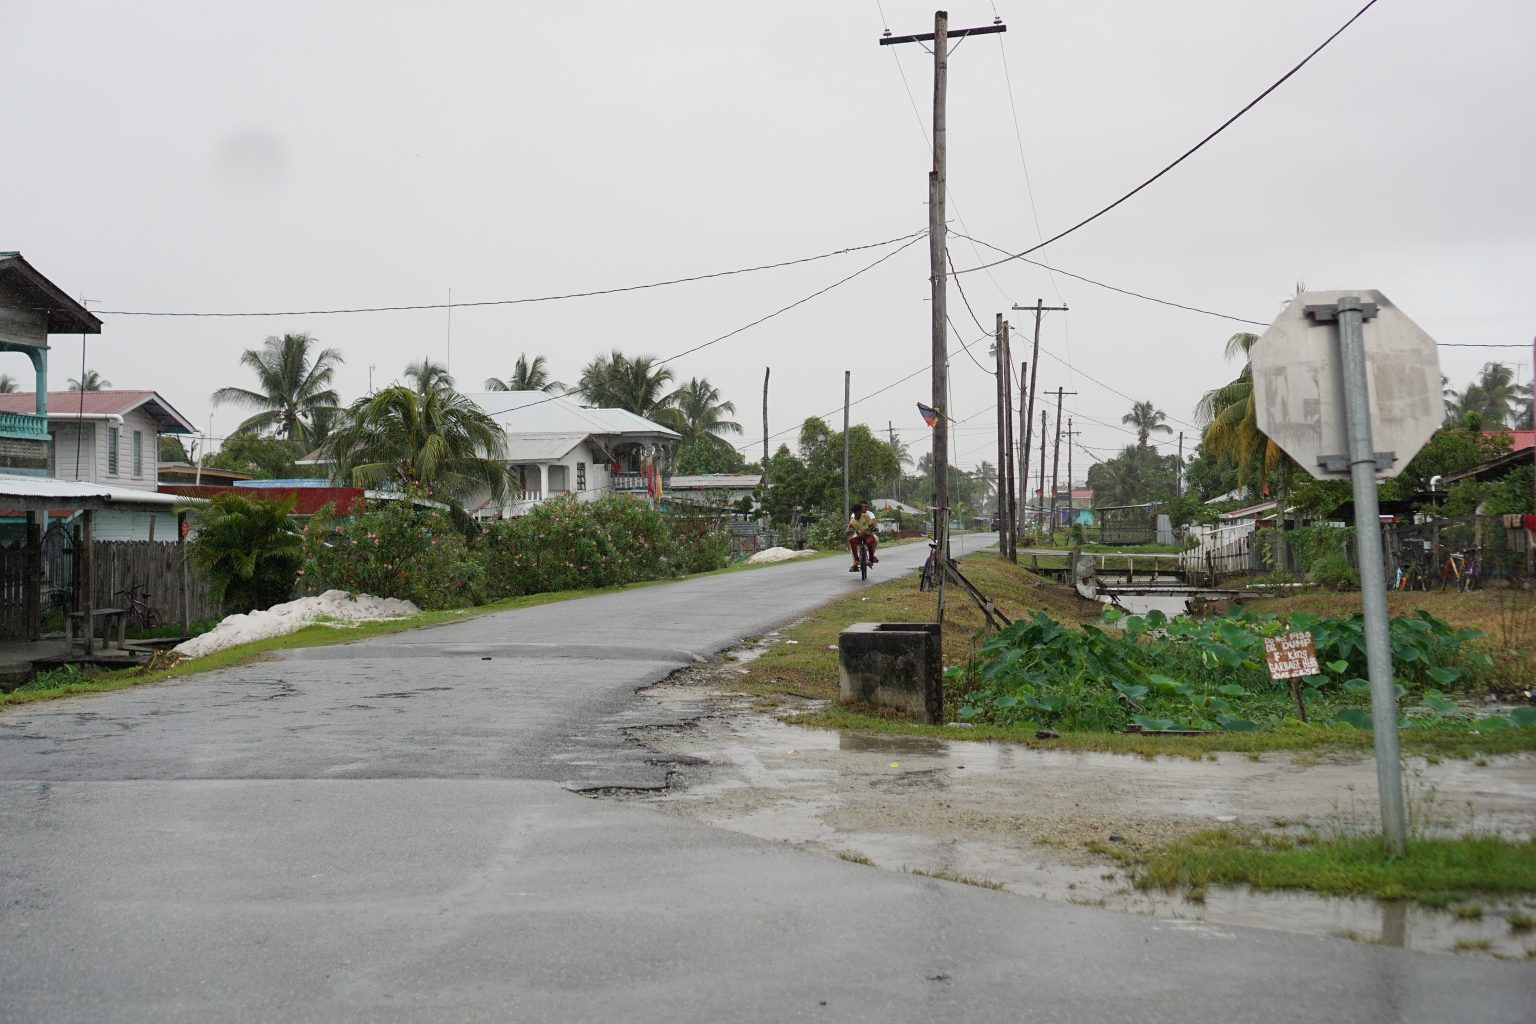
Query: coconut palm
[[526, 376], [617, 381], [1494, 396], [1148, 420], [1230, 427], [703, 413], [429, 376], [7, 384], [92, 381], [436, 439], [293, 385], [985, 476]]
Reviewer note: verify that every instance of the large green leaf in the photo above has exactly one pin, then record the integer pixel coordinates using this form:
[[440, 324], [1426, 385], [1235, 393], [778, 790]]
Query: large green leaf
[[1153, 724], [1523, 716], [1354, 717], [1444, 676]]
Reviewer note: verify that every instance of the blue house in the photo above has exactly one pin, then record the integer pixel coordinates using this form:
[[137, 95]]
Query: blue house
[[31, 308]]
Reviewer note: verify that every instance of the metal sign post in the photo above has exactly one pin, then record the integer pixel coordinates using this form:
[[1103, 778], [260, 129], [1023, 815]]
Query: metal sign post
[[1350, 314]]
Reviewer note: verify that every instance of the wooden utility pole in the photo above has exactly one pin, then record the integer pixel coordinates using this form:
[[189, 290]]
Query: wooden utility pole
[[847, 391], [1070, 434], [1023, 457], [1039, 309], [1056, 460], [1013, 502], [764, 485], [937, 241], [896, 488], [1004, 526], [1040, 506], [1178, 474]]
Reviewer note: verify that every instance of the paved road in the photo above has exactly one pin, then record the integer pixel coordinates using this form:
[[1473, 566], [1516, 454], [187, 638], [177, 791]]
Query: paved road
[[386, 832]]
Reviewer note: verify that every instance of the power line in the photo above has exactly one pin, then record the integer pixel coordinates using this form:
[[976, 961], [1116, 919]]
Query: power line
[[911, 240], [1188, 152], [538, 298], [1114, 288], [1482, 344]]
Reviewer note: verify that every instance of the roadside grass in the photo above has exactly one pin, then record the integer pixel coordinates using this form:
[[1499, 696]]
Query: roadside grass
[[1437, 872], [803, 665]]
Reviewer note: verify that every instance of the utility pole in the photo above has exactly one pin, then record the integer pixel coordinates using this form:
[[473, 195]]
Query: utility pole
[[1013, 502], [896, 488], [938, 241], [1039, 309], [1023, 458], [1004, 525], [847, 390], [764, 485], [1056, 460], [1070, 434], [1040, 505], [1178, 474]]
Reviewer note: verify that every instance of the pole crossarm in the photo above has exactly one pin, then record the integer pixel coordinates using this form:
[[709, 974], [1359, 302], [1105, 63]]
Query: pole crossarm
[[927, 37]]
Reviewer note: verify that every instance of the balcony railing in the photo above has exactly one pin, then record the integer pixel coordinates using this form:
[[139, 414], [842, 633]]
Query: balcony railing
[[627, 481], [20, 424]]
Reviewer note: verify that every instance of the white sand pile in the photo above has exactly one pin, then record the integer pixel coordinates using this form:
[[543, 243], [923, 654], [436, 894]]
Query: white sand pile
[[295, 615], [777, 555]]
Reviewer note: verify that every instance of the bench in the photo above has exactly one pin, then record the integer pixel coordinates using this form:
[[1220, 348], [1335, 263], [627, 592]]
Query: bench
[[117, 623]]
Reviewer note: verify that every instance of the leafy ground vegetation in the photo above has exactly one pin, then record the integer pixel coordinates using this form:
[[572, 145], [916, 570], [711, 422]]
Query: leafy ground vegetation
[[1061, 668]]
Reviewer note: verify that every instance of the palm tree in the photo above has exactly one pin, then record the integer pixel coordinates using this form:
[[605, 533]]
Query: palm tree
[[1230, 427], [703, 413], [249, 549], [526, 376], [7, 384], [294, 383], [1148, 420], [986, 481], [429, 376], [92, 381], [617, 381], [1494, 396], [437, 439]]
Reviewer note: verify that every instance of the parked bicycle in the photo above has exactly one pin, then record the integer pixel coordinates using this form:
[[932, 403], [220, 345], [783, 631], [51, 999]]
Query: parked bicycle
[[141, 614], [1461, 569]]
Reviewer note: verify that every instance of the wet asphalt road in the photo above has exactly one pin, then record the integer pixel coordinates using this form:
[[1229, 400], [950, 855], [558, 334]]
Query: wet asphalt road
[[385, 832]]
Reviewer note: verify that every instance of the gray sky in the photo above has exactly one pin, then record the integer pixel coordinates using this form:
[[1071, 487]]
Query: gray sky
[[212, 157]]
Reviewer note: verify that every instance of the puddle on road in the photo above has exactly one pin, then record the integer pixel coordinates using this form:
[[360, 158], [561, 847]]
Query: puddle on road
[[1023, 817]]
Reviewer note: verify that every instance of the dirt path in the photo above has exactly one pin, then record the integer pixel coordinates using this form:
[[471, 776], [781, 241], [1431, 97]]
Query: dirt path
[[1029, 819]]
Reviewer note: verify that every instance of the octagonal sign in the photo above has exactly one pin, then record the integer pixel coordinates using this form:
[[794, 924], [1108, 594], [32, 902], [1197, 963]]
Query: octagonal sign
[[1298, 388]]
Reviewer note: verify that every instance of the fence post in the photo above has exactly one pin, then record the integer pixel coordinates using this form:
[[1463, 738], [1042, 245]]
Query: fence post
[[186, 584]]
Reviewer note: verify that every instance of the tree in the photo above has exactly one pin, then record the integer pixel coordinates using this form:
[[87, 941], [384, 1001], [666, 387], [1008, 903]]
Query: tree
[[1148, 420], [262, 456], [92, 381], [172, 449], [985, 476], [706, 455], [438, 440], [7, 384], [294, 387], [526, 376], [1231, 429], [248, 547], [812, 481], [1494, 396], [703, 412], [427, 376], [1137, 476], [617, 381]]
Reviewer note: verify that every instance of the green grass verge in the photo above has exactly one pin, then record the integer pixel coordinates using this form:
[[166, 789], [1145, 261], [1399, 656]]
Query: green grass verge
[[1437, 872]]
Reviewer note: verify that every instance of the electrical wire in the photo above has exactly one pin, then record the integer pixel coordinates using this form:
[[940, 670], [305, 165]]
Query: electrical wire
[[1188, 152], [530, 299], [910, 241]]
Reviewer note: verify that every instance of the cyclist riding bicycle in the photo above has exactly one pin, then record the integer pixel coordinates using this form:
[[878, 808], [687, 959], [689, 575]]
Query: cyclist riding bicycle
[[862, 529]]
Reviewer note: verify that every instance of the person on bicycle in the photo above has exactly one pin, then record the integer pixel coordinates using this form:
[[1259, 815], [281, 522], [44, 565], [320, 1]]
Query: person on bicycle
[[862, 529]]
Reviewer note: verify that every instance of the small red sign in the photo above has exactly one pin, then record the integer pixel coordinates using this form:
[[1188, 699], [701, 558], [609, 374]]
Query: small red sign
[[1290, 656]]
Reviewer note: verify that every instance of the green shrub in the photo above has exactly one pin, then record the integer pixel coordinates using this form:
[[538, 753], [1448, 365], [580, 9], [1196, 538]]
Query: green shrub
[[701, 538], [568, 544], [249, 548], [393, 549], [829, 533]]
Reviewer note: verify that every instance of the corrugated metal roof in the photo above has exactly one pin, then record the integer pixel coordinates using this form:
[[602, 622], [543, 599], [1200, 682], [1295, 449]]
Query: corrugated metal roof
[[541, 447], [111, 402], [66, 491], [715, 482], [535, 412]]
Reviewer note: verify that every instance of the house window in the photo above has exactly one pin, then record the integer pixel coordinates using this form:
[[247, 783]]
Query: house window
[[138, 453], [112, 441], [581, 476]]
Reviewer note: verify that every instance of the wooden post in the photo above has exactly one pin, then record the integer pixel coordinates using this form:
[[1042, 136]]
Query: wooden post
[[1004, 526], [186, 582], [32, 586], [764, 484], [87, 581]]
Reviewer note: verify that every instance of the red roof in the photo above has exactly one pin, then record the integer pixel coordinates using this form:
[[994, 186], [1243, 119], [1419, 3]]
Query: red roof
[[98, 403], [308, 500], [1519, 440]]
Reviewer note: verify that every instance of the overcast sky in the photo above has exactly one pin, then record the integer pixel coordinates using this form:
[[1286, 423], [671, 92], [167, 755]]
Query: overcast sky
[[305, 155]]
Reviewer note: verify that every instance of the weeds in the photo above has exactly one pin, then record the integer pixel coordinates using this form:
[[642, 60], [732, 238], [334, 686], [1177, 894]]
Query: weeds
[[950, 876], [855, 858]]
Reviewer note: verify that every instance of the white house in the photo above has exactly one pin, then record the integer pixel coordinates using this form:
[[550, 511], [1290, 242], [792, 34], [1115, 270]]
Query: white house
[[111, 439], [711, 487], [556, 446]]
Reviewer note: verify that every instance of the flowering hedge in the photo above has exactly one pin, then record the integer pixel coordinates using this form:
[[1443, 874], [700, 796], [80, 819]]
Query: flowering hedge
[[567, 544], [391, 549]]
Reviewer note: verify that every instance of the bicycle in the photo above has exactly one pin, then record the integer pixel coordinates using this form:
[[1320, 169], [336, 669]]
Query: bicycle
[[141, 614]]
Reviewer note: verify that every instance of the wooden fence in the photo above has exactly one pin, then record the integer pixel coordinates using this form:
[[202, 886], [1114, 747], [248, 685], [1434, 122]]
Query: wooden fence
[[153, 565], [19, 590]]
